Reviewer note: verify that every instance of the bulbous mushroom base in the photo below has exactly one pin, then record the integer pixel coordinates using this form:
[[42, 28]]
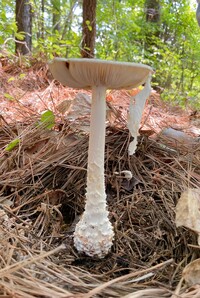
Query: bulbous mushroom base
[[93, 239]]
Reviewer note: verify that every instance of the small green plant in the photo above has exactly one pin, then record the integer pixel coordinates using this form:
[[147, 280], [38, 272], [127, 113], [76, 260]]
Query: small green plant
[[47, 119], [12, 144]]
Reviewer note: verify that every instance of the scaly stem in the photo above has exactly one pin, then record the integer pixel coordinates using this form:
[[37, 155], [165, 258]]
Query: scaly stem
[[94, 233], [96, 196]]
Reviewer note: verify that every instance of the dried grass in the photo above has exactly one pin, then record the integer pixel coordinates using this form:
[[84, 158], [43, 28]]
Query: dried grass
[[42, 187]]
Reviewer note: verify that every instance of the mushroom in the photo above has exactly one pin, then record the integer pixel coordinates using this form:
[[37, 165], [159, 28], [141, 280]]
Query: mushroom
[[94, 233]]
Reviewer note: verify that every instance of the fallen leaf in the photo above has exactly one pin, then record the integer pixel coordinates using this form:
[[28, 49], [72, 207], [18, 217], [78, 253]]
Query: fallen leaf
[[188, 210], [191, 273], [64, 106]]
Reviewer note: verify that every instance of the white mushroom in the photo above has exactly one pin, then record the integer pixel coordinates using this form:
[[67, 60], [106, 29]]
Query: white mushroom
[[94, 233]]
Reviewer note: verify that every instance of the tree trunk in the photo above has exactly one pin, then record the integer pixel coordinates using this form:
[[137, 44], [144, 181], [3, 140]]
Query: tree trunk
[[39, 21], [56, 15], [88, 28], [152, 10], [24, 25], [198, 12], [42, 19]]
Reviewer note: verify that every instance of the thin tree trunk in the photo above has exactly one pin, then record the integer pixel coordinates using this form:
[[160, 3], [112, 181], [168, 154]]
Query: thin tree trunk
[[198, 12], [42, 19], [24, 24], [152, 8], [40, 22], [88, 28], [56, 15], [68, 19]]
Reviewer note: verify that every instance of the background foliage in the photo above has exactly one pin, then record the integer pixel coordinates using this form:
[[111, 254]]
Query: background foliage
[[170, 45]]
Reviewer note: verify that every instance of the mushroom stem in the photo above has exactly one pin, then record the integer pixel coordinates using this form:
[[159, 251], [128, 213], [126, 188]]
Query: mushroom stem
[[94, 233], [95, 171]]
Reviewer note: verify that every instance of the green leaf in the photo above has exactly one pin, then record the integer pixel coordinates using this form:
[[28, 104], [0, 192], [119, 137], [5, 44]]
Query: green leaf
[[8, 96], [88, 25], [20, 35], [22, 75], [11, 79], [47, 119], [12, 144]]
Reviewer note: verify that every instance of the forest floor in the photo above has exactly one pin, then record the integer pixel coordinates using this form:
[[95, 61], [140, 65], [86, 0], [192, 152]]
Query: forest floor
[[42, 188]]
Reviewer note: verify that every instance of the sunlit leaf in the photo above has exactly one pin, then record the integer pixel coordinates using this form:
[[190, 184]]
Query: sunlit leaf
[[20, 35], [8, 96], [12, 144], [88, 25], [11, 79], [47, 119], [22, 75]]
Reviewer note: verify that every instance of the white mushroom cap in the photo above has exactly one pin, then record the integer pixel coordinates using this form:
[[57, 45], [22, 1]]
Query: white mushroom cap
[[111, 74]]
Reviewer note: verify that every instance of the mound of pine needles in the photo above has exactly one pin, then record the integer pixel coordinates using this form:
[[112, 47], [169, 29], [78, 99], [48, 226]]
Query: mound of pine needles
[[42, 195]]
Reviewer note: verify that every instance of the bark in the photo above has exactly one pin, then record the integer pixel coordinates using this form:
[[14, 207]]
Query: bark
[[56, 15], [88, 28], [198, 12], [24, 24], [42, 19], [152, 11]]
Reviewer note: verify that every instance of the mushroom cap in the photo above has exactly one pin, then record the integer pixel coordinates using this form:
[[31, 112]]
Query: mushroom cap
[[86, 73]]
